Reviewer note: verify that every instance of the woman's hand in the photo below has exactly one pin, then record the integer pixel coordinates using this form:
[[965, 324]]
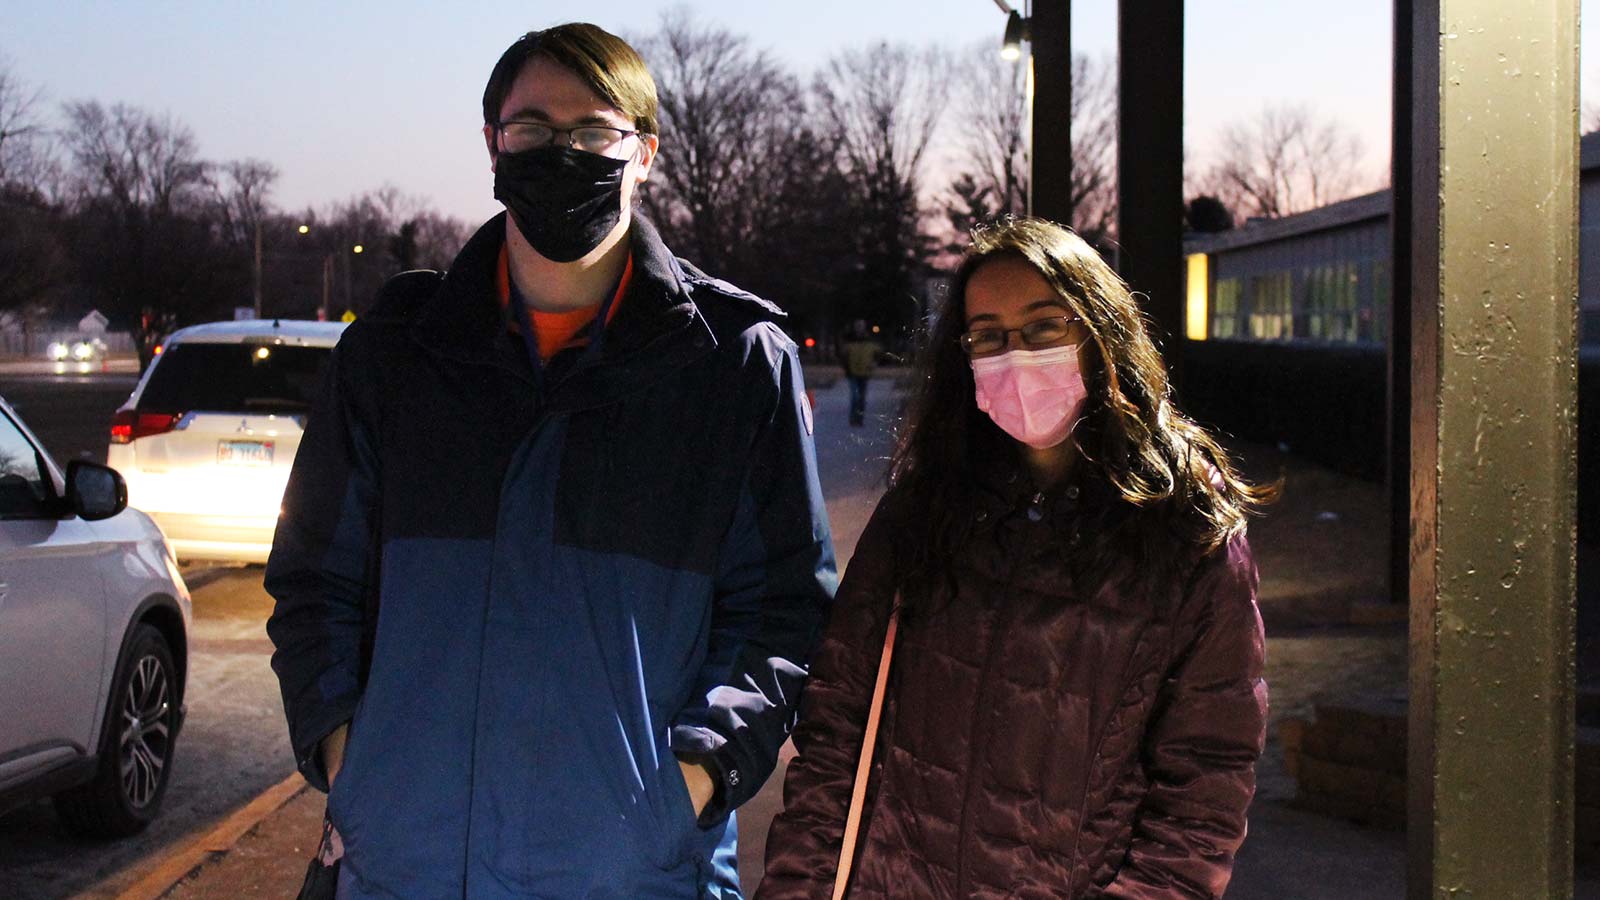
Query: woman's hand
[[333, 751], [701, 787]]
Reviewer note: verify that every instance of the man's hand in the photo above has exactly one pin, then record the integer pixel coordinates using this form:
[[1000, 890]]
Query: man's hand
[[333, 751], [701, 787]]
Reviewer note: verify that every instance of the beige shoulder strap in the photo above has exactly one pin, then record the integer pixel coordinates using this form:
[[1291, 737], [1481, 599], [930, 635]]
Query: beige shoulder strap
[[858, 797]]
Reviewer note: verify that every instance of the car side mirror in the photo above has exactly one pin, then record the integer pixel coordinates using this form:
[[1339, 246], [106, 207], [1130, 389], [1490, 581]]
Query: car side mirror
[[95, 491]]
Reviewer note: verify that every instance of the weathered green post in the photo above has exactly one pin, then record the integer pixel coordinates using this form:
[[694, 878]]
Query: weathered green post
[[1493, 468]]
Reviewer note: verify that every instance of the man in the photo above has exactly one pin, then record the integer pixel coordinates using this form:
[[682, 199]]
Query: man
[[859, 354], [573, 484]]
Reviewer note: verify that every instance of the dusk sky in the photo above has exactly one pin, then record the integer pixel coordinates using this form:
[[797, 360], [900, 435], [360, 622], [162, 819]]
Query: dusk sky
[[345, 97]]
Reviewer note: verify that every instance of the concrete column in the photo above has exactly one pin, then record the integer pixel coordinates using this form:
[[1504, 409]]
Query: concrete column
[[1150, 163], [1050, 126], [1494, 392]]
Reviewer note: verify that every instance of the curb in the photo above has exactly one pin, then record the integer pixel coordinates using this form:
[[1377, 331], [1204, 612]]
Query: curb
[[183, 861]]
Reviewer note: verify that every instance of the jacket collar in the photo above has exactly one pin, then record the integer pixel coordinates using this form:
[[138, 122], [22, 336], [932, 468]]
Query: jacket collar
[[465, 323]]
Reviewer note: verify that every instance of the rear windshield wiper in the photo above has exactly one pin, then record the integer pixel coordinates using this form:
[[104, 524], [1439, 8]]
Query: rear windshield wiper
[[288, 403]]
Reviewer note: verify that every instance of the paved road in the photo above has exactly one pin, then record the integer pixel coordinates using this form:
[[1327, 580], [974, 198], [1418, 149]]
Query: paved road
[[71, 414]]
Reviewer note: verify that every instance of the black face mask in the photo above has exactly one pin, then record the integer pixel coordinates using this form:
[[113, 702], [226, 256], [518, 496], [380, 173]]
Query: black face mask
[[564, 201]]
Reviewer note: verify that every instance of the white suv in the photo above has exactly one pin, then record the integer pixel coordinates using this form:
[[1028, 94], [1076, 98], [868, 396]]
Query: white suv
[[94, 623], [207, 439]]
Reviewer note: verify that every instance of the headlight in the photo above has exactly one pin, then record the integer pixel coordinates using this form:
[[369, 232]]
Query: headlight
[[82, 350], [56, 350]]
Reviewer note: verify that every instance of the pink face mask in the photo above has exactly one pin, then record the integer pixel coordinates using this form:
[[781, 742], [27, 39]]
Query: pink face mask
[[1033, 395]]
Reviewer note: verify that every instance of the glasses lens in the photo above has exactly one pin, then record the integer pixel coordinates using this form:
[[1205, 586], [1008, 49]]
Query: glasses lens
[[983, 341], [596, 139], [519, 136], [1046, 331]]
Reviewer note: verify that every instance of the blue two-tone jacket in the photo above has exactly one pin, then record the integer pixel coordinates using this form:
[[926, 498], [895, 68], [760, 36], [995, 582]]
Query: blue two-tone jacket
[[531, 591]]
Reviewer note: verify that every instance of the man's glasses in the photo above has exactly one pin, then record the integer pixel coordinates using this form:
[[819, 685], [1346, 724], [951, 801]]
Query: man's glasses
[[600, 140], [1037, 334]]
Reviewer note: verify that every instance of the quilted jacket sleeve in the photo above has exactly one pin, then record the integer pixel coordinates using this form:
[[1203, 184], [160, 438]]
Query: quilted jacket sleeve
[[321, 566], [804, 841], [1201, 750], [774, 581]]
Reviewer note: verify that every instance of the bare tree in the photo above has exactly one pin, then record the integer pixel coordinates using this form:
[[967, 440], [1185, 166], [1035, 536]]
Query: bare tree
[[1283, 161], [992, 141], [438, 238], [883, 104], [32, 259], [139, 162], [240, 189], [1094, 148], [728, 115], [991, 116], [144, 218], [28, 164]]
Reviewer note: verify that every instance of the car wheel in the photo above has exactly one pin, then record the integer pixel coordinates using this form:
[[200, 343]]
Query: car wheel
[[136, 747]]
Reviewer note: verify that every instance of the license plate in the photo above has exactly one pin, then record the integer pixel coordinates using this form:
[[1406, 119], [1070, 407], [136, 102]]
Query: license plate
[[244, 453]]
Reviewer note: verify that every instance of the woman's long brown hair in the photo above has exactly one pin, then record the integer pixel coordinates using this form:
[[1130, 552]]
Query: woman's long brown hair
[[1172, 487]]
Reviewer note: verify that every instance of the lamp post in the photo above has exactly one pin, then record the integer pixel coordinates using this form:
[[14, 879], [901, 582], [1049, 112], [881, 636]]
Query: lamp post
[[328, 275], [256, 286], [1046, 28]]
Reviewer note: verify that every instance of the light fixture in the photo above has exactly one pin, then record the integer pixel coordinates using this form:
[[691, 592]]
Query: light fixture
[[357, 248], [1016, 32], [303, 229]]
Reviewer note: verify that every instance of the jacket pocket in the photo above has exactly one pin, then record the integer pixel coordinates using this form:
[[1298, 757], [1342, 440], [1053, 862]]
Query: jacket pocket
[[678, 827]]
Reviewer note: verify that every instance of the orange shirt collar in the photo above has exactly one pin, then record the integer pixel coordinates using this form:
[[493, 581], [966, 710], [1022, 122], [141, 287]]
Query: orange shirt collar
[[556, 331]]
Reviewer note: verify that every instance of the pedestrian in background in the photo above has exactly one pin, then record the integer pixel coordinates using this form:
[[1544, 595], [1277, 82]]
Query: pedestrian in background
[[859, 353], [553, 555], [1075, 703]]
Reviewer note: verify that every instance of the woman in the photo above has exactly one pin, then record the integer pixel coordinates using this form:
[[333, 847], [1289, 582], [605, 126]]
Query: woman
[[1075, 704]]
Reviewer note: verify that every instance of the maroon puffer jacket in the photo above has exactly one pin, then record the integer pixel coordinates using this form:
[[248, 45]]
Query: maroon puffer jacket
[[1036, 741]]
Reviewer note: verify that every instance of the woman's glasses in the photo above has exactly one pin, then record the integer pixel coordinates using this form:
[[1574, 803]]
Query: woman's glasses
[[1039, 333]]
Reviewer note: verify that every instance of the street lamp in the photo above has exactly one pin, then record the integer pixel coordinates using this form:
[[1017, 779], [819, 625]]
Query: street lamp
[[1016, 33], [328, 260]]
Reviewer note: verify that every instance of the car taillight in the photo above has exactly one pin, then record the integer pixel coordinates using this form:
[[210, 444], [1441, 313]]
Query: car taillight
[[129, 425]]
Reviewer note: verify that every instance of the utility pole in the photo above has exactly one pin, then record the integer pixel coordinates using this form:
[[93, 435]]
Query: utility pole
[[327, 284], [1150, 166], [258, 268], [1050, 112]]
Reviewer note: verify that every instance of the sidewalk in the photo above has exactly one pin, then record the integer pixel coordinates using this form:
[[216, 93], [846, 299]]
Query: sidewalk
[[1331, 635]]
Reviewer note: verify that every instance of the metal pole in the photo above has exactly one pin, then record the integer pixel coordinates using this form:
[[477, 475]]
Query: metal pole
[[258, 269], [1397, 471], [1050, 126], [327, 283], [1494, 394], [1150, 164]]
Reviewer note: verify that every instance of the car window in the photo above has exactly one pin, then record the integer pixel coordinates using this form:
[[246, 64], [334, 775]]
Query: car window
[[262, 378], [23, 493]]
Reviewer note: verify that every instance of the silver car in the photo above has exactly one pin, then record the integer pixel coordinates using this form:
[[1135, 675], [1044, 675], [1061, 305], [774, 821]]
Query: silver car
[[94, 623], [207, 438]]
